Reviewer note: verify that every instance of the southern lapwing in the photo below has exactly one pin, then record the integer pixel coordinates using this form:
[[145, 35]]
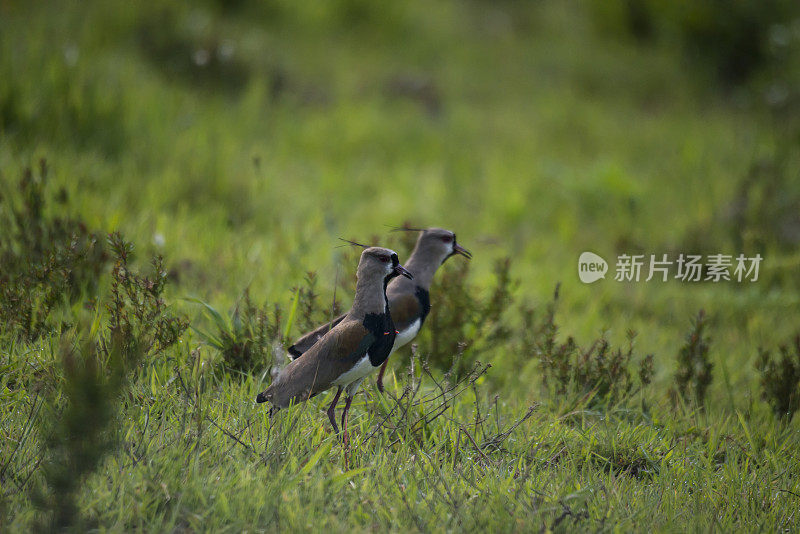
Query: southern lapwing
[[409, 301], [358, 344]]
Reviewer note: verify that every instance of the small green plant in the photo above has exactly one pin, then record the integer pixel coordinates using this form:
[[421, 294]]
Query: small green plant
[[780, 378], [247, 339], [600, 373], [46, 260], [694, 373], [139, 318]]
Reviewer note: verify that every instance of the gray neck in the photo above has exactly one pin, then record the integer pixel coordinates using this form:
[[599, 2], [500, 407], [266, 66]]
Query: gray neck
[[423, 266], [369, 298]]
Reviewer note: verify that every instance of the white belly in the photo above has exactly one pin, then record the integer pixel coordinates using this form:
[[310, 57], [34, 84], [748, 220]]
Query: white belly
[[406, 335], [361, 369]]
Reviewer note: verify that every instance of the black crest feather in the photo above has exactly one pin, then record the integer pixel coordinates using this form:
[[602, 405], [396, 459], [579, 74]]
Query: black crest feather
[[352, 243]]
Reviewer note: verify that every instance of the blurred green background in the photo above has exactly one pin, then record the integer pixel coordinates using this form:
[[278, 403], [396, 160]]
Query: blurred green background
[[240, 139]]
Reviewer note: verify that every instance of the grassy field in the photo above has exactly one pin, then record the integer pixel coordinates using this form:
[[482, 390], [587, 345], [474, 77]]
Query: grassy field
[[239, 140]]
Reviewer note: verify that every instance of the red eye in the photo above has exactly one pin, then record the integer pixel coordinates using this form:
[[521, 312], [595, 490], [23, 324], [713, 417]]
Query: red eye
[[385, 259], [447, 239]]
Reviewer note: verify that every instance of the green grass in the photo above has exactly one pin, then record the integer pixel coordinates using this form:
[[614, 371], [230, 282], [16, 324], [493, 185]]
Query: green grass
[[537, 137]]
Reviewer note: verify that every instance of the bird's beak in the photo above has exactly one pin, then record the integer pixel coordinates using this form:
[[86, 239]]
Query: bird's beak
[[400, 270], [262, 397], [458, 249]]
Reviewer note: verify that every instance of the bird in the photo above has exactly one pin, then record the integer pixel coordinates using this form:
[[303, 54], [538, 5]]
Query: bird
[[409, 301], [347, 353]]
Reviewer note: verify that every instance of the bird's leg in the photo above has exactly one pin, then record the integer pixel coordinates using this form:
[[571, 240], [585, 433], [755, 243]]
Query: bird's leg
[[346, 436], [380, 375], [332, 410]]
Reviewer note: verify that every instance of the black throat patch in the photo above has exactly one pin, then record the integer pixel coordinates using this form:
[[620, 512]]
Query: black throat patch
[[424, 299]]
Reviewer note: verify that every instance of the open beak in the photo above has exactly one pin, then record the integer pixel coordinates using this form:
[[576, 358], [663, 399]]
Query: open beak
[[458, 249], [400, 270]]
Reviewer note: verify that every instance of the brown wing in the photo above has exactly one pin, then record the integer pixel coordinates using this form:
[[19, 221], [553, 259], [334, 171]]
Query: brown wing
[[405, 309], [308, 340], [324, 362]]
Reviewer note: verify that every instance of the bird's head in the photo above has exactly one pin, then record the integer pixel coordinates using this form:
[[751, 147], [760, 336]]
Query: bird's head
[[381, 262], [439, 244]]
